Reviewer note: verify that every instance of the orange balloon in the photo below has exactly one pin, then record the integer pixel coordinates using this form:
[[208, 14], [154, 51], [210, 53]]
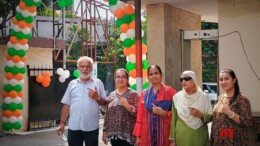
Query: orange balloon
[[145, 73], [20, 94], [133, 48], [15, 21], [9, 76], [16, 59], [133, 73], [7, 113], [12, 94], [124, 28], [22, 24], [8, 57], [18, 76], [17, 113], [127, 51], [32, 9], [23, 59], [13, 40], [5, 94], [46, 74], [132, 24], [46, 79], [22, 41], [144, 49], [129, 9], [22, 5], [45, 84], [119, 13], [39, 79]]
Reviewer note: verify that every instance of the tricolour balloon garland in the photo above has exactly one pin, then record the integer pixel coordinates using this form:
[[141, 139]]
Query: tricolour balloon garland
[[126, 22], [15, 68]]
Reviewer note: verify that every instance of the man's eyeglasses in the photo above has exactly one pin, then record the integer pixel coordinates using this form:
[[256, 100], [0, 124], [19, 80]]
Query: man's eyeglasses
[[185, 79]]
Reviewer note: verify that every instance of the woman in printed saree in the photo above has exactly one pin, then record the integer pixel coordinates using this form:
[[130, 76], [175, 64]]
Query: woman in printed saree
[[121, 112], [232, 113], [191, 111], [152, 126]]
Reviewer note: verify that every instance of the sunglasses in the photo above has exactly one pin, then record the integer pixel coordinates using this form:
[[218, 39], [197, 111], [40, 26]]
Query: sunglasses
[[185, 79]]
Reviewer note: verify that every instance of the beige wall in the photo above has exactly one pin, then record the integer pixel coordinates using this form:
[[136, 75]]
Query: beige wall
[[35, 56], [244, 18], [164, 43]]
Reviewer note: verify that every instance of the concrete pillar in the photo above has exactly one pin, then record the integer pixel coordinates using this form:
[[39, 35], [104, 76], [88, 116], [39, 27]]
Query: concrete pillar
[[164, 42]]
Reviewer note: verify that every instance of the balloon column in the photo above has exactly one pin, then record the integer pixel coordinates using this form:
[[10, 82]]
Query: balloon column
[[15, 67], [126, 23]]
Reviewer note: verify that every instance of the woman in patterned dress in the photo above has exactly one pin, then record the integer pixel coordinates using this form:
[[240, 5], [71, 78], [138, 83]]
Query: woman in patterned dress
[[231, 114], [152, 126], [121, 112]]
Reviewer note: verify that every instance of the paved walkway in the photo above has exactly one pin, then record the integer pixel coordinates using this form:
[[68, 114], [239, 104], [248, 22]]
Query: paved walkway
[[46, 137]]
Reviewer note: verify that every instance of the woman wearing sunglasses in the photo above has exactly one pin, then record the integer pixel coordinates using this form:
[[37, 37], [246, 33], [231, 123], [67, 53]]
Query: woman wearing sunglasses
[[191, 111], [152, 126]]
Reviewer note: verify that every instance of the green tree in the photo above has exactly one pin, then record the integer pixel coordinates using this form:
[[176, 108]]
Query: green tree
[[209, 55]]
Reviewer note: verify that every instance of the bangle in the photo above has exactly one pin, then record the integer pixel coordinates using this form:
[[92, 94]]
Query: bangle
[[233, 114]]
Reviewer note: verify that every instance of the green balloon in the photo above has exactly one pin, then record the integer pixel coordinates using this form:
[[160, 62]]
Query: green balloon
[[128, 42], [13, 106], [28, 19], [145, 85], [21, 53], [17, 125], [119, 22], [29, 3], [130, 66], [76, 73], [7, 69], [61, 3], [12, 32], [133, 87], [5, 106], [20, 106], [20, 35], [37, 4], [18, 88], [68, 2], [19, 16], [11, 52], [14, 70], [8, 87], [22, 70], [133, 16], [145, 64], [127, 18], [7, 126], [112, 2]]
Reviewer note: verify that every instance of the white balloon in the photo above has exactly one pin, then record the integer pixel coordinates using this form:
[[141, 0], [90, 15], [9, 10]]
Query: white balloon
[[60, 71], [142, 33], [12, 119], [16, 28], [13, 82], [120, 4], [132, 81], [20, 119], [132, 58], [25, 13], [17, 100], [113, 9], [62, 79], [5, 119], [66, 74], [8, 100], [26, 30], [123, 36], [10, 63], [130, 33], [21, 82], [18, 9], [127, 60], [143, 56], [33, 14], [20, 64], [26, 47], [10, 45], [17, 47]]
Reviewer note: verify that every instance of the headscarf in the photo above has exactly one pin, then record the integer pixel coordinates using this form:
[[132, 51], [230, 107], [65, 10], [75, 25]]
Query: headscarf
[[198, 100]]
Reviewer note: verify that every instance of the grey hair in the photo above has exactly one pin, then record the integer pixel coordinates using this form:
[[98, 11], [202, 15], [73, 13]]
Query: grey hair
[[85, 58]]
